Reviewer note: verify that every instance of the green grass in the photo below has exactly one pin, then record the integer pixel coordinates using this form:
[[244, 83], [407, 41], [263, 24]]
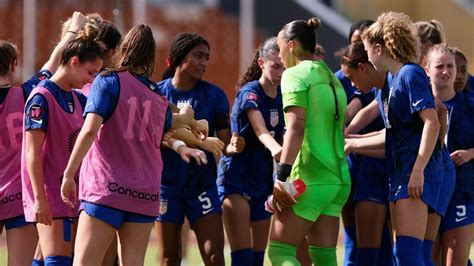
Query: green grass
[[193, 257]]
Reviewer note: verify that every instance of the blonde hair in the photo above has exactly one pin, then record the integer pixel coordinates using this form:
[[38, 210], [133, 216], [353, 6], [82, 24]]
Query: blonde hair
[[394, 31], [93, 20], [430, 31], [440, 48]]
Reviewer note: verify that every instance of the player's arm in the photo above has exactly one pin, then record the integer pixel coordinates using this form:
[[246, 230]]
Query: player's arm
[[363, 118], [184, 117], [375, 141], [77, 24], [352, 109], [442, 113], [258, 124], [34, 140], [185, 152], [380, 153], [81, 147]]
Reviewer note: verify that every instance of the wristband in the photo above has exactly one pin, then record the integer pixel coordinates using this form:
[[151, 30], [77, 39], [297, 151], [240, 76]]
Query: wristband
[[283, 171], [177, 144]]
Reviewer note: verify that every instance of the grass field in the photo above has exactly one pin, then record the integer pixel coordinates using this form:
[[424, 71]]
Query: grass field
[[193, 257]]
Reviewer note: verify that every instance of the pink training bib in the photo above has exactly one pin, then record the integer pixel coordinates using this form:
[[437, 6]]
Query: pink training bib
[[11, 125], [63, 128], [123, 168]]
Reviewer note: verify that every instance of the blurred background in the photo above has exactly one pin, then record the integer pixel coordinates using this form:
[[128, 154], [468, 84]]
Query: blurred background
[[234, 28]]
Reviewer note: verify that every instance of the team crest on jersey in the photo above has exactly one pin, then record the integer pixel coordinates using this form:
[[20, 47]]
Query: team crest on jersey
[[274, 118], [183, 103], [252, 96], [163, 206], [71, 106], [36, 111]]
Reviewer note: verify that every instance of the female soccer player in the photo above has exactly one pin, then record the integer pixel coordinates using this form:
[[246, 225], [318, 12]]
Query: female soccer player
[[457, 226], [53, 117], [190, 190], [371, 189], [120, 176], [245, 180], [313, 151], [464, 81], [412, 133]]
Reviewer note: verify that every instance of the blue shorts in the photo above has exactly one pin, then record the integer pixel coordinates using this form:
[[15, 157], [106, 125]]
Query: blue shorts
[[372, 183], [457, 216], [447, 185], [174, 208], [112, 216], [15, 222], [430, 195]]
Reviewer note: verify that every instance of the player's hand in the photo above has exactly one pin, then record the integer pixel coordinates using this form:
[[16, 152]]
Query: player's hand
[[349, 145], [43, 211], [167, 136], [415, 184], [236, 144], [200, 129], [281, 197], [213, 145], [68, 191], [461, 157], [187, 154], [276, 152], [78, 21]]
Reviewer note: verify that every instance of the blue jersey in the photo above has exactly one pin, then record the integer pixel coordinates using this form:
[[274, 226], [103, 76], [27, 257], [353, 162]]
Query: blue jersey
[[28, 85], [208, 102], [347, 84], [104, 94], [250, 172], [353, 160], [410, 93], [36, 79], [470, 86], [36, 111], [461, 137], [382, 97], [373, 171]]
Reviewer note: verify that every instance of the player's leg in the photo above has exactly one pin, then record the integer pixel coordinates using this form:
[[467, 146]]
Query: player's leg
[[236, 219]]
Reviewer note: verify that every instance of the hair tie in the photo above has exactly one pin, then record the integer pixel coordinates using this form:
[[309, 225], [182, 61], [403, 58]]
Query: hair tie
[[168, 62]]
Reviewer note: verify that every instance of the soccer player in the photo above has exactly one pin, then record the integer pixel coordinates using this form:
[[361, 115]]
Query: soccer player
[[314, 103], [190, 190], [120, 175], [245, 180], [371, 189], [53, 117], [412, 130], [464, 81], [457, 228]]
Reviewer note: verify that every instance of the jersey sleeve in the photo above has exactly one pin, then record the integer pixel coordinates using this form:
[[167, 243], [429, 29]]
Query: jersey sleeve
[[82, 98], [36, 113], [103, 96], [37, 78], [248, 100], [168, 119], [419, 91], [294, 90]]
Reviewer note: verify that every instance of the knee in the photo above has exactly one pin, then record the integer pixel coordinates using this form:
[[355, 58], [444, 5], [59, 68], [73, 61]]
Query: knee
[[214, 257]]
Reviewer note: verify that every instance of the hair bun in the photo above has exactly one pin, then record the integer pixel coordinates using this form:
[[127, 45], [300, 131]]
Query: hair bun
[[314, 23]]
